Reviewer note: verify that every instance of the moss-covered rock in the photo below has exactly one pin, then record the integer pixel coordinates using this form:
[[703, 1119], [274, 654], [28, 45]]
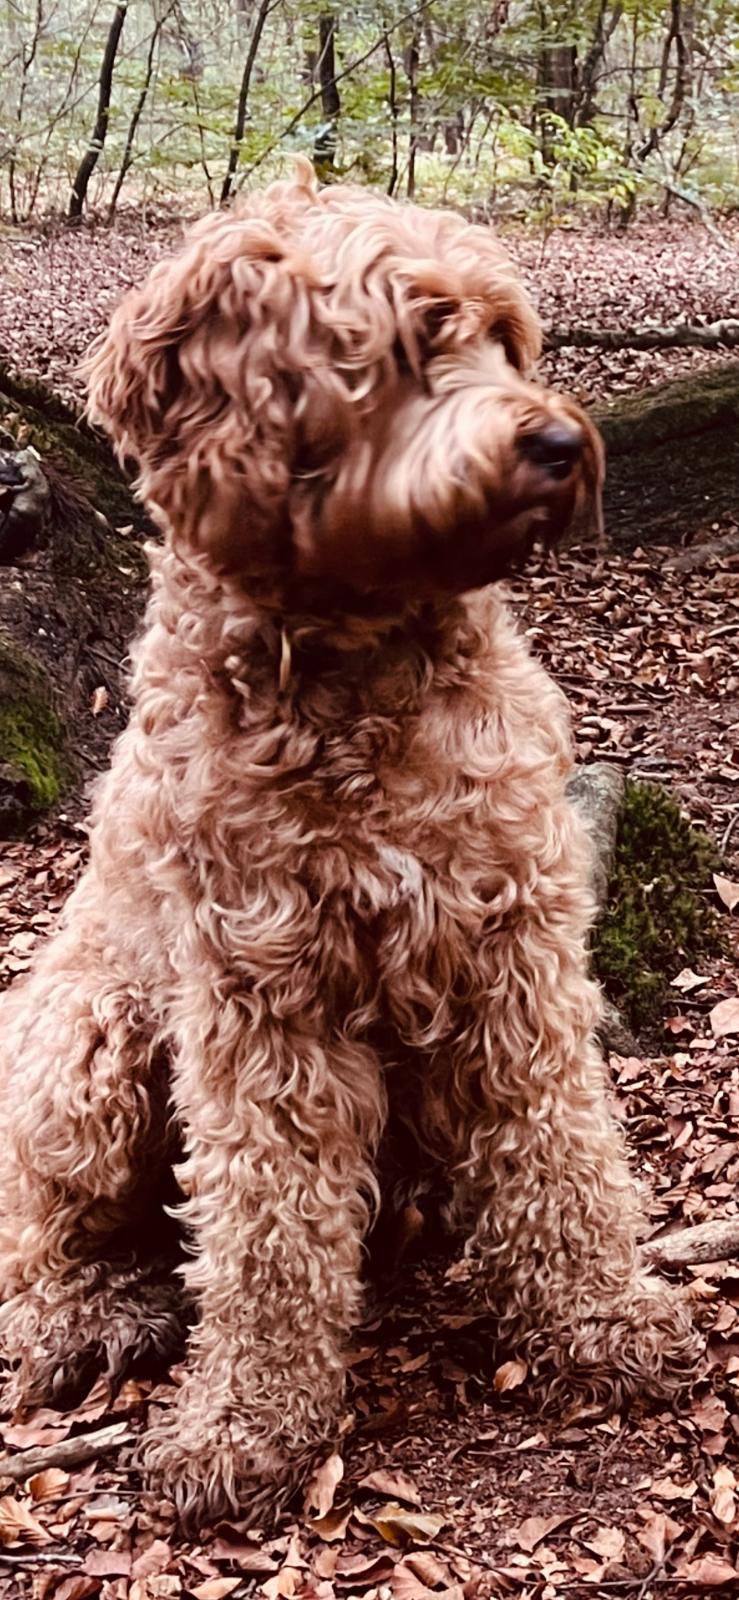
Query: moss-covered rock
[[669, 411], [70, 596], [658, 916], [34, 762]]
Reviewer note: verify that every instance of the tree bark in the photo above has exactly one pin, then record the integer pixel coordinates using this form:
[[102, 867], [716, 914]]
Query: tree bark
[[94, 149], [709, 1241], [251, 55], [324, 148], [682, 335]]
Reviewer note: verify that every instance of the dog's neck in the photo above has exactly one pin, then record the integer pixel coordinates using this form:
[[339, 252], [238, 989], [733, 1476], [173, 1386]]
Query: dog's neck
[[270, 633]]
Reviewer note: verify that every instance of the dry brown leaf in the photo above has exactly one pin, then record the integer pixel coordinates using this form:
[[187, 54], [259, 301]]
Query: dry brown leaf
[[709, 1571], [509, 1376], [76, 1587], [687, 980], [727, 891], [48, 1485], [399, 1527], [324, 1562], [669, 1489], [246, 1556], [658, 1532], [608, 1543], [283, 1585], [724, 1018], [394, 1484], [108, 1563], [99, 700], [710, 1414], [362, 1570], [333, 1526], [321, 1489], [428, 1568], [18, 1525], [405, 1585], [723, 1495], [215, 1588], [153, 1561], [44, 1427], [588, 1568], [534, 1529]]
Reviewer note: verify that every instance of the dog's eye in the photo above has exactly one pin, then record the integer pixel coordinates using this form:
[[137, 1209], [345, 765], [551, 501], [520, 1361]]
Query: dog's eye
[[502, 333], [400, 357]]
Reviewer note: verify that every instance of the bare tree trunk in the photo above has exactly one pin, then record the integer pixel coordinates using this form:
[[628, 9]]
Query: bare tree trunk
[[251, 55], [392, 100], [412, 63], [324, 148], [92, 154], [679, 34], [605, 27], [127, 160]]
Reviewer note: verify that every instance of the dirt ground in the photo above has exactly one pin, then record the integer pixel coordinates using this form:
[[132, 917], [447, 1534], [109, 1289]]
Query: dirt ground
[[446, 1479]]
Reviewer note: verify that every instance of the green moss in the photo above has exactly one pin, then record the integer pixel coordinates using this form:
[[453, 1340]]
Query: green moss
[[32, 746], [658, 916], [675, 410]]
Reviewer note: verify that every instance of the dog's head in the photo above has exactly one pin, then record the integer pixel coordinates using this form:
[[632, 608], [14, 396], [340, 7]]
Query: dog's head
[[330, 386]]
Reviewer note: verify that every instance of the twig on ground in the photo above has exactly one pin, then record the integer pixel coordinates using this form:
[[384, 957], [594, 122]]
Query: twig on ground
[[64, 1452], [39, 1558], [709, 1241], [680, 336]]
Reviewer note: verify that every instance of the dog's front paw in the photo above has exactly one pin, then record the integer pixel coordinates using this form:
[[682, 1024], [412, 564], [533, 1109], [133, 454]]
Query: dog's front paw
[[212, 1467], [645, 1345]]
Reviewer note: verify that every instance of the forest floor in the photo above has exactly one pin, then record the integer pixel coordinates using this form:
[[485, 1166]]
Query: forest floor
[[447, 1482]]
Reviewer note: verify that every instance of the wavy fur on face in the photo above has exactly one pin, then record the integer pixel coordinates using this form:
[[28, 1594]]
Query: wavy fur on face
[[333, 873], [329, 385]]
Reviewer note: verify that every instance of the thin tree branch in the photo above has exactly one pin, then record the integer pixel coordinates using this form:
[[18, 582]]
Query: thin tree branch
[[266, 6], [683, 335]]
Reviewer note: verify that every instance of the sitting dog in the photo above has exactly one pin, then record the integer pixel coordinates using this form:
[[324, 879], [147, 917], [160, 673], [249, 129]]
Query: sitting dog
[[334, 874]]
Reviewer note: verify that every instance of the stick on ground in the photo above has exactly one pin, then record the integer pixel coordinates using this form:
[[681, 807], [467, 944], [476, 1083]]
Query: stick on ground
[[22, 1464], [710, 1241]]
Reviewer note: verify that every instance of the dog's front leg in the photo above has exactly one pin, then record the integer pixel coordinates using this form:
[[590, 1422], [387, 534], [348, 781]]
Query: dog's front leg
[[543, 1182], [278, 1130]]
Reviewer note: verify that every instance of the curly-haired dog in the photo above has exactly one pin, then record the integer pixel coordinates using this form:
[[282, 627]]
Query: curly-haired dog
[[333, 868]]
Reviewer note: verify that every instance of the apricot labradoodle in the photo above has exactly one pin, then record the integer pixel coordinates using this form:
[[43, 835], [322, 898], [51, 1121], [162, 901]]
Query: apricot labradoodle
[[333, 870]]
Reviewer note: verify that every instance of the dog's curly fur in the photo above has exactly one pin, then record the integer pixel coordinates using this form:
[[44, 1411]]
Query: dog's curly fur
[[333, 868]]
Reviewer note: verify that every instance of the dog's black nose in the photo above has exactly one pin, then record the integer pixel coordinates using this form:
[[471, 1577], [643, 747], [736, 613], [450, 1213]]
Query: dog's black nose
[[556, 447]]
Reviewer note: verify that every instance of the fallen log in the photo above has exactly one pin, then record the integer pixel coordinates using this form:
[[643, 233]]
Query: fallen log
[[708, 1241], [678, 336]]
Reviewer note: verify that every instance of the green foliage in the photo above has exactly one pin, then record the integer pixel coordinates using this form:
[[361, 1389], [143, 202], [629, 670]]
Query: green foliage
[[497, 111], [658, 918]]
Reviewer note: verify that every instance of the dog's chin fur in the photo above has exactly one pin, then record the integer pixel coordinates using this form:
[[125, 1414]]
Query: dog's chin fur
[[335, 884]]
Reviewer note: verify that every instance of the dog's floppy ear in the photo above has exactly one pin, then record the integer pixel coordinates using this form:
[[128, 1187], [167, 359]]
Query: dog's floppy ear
[[192, 384]]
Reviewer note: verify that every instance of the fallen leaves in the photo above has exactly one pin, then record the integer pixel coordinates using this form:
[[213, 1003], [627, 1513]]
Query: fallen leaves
[[322, 1486], [18, 1524], [509, 1376], [724, 1018], [723, 1495], [727, 891]]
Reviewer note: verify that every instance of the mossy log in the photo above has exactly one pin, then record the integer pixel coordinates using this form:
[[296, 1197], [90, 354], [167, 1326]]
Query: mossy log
[[70, 591], [672, 458]]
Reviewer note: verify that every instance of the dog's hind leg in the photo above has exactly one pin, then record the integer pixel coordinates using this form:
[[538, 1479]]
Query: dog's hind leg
[[82, 1132]]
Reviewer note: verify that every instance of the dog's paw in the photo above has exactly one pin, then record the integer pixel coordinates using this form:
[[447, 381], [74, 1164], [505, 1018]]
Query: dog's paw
[[647, 1345], [55, 1340], [211, 1468]]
